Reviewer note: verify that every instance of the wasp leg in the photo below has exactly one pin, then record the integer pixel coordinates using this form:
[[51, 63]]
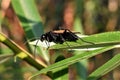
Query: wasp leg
[[65, 41], [48, 39], [34, 52], [79, 37], [47, 43]]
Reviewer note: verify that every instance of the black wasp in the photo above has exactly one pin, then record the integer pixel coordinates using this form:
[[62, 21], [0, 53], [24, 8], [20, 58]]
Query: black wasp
[[60, 36]]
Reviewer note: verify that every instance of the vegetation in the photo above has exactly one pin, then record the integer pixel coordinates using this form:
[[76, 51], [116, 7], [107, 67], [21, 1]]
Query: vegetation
[[22, 21]]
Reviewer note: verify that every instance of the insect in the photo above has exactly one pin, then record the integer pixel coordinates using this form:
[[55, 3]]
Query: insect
[[60, 36]]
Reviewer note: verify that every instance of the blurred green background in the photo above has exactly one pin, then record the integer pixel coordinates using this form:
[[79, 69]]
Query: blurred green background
[[85, 16]]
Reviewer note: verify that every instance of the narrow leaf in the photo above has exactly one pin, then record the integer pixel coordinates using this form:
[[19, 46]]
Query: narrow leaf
[[107, 67], [64, 63]]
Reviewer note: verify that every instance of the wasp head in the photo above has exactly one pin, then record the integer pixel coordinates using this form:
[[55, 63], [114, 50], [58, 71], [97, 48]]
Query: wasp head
[[43, 37]]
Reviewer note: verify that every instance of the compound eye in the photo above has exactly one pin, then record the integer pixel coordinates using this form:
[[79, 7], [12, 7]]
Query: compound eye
[[42, 38]]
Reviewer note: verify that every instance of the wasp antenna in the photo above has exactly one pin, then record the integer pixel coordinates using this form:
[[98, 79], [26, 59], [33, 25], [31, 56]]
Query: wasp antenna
[[27, 41], [48, 45]]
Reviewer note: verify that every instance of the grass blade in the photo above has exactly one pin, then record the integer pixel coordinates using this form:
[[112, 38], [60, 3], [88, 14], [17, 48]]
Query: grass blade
[[107, 67], [64, 63]]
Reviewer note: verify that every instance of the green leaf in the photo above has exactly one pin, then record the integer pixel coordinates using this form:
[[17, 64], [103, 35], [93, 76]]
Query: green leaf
[[107, 67], [30, 20], [64, 63], [29, 17], [99, 40]]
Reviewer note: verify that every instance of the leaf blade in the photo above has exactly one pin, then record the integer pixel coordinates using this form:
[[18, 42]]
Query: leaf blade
[[107, 67], [64, 63], [30, 19]]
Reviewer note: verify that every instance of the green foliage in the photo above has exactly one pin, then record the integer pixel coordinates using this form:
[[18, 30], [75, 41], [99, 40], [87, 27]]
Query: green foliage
[[66, 62], [107, 67], [29, 17], [31, 22]]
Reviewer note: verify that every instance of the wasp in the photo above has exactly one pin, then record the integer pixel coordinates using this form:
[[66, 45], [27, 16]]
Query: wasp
[[61, 36]]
